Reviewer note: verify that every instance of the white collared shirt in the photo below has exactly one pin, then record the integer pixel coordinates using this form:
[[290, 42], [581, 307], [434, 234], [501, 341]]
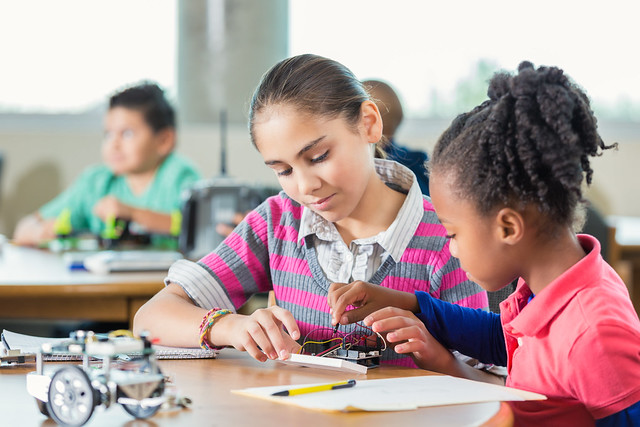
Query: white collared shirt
[[362, 258]]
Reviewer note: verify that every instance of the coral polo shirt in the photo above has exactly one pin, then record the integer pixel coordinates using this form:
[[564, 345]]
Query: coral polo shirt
[[579, 338]]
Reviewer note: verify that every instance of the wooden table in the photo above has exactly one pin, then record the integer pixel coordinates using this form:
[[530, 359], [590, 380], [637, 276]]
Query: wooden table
[[209, 383], [37, 284]]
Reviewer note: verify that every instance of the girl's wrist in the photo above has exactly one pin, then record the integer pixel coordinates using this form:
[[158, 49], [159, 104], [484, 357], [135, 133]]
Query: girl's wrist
[[219, 333], [207, 339]]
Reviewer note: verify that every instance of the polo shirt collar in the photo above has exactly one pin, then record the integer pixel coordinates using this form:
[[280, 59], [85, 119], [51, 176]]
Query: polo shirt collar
[[395, 239], [541, 311]]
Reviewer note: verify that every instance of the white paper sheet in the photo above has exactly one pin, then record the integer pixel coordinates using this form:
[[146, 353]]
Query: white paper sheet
[[396, 394]]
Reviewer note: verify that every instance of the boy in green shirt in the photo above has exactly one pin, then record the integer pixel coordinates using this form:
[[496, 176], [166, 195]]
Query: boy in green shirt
[[141, 180]]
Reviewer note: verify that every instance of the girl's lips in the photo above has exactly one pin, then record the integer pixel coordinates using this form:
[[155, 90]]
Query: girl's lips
[[322, 204]]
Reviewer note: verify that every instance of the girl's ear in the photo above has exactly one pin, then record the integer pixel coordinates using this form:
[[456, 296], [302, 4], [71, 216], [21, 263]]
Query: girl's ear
[[372, 121], [509, 226]]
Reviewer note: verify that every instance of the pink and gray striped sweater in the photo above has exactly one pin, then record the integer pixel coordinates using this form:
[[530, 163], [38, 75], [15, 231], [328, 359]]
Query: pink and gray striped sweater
[[266, 253]]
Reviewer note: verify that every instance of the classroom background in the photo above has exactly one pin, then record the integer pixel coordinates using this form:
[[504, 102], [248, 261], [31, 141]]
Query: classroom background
[[63, 60]]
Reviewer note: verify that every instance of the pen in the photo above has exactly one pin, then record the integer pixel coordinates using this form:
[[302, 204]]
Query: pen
[[315, 388]]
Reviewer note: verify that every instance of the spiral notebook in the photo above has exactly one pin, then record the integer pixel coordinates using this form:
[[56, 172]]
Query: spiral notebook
[[29, 344]]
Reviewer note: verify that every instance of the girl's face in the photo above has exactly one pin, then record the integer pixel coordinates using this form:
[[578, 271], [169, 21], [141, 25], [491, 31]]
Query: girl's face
[[323, 164], [130, 145], [474, 238]]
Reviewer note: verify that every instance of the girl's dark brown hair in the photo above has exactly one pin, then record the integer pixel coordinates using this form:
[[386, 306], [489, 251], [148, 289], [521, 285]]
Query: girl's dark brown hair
[[311, 84], [529, 143]]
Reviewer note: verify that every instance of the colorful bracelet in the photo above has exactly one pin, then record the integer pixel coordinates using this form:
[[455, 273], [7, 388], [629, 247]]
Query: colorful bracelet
[[208, 321]]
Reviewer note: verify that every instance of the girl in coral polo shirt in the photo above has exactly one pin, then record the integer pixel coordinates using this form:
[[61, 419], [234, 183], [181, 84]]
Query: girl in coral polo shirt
[[506, 183]]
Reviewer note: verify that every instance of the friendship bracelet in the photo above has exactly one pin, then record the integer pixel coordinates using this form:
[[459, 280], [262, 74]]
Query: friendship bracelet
[[208, 321]]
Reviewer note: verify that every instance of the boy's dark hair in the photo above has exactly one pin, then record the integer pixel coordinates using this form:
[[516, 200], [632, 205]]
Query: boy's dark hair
[[312, 84], [388, 103], [529, 143], [149, 99]]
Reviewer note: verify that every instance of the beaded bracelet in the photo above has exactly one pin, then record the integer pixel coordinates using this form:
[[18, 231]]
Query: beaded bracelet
[[208, 321]]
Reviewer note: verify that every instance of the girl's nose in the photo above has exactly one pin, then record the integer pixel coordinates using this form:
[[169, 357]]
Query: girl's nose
[[308, 183]]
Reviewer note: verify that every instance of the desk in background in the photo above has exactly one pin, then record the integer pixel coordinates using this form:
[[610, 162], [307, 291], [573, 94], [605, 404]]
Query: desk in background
[[208, 382], [36, 284]]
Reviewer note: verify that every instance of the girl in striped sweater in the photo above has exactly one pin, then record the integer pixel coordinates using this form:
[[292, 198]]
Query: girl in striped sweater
[[343, 216]]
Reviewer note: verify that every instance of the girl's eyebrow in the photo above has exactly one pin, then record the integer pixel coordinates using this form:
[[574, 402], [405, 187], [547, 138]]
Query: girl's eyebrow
[[310, 145], [304, 149]]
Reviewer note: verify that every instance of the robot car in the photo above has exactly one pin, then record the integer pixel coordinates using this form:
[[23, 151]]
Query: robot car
[[70, 394]]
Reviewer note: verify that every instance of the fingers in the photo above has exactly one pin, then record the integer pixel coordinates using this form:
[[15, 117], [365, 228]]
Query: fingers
[[224, 229], [263, 335], [408, 333], [335, 292], [413, 346], [256, 343], [392, 325], [110, 205], [355, 315], [382, 314], [292, 346], [341, 296], [404, 331], [238, 217], [286, 319]]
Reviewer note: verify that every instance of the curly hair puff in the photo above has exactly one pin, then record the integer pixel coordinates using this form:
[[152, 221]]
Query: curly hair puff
[[529, 143]]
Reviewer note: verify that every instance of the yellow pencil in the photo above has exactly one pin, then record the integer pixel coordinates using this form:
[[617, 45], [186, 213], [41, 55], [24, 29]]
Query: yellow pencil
[[315, 388]]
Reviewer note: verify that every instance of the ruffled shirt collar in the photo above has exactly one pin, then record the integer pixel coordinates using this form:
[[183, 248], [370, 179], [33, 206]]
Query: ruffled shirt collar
[[395, 239]]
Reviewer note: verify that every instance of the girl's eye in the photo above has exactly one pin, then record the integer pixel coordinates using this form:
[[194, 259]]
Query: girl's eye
[[320, 158], [285, 172], [128, 133], [449, 236]]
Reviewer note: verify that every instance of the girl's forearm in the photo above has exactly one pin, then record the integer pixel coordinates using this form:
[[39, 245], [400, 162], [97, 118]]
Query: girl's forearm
[[171, 318]]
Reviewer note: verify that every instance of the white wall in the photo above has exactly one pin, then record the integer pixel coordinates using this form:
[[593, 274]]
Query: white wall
[[616, 179], [41, 161]]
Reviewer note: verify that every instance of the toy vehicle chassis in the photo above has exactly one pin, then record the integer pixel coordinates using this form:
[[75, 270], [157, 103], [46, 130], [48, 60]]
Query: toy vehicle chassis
[[70, 394]]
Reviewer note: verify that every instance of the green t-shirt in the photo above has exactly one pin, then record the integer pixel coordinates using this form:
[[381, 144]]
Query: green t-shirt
[[163, 195]]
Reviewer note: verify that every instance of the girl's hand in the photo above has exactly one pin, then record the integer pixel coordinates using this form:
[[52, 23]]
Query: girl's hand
[[367, 298], [409, 335], [260, 334]]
